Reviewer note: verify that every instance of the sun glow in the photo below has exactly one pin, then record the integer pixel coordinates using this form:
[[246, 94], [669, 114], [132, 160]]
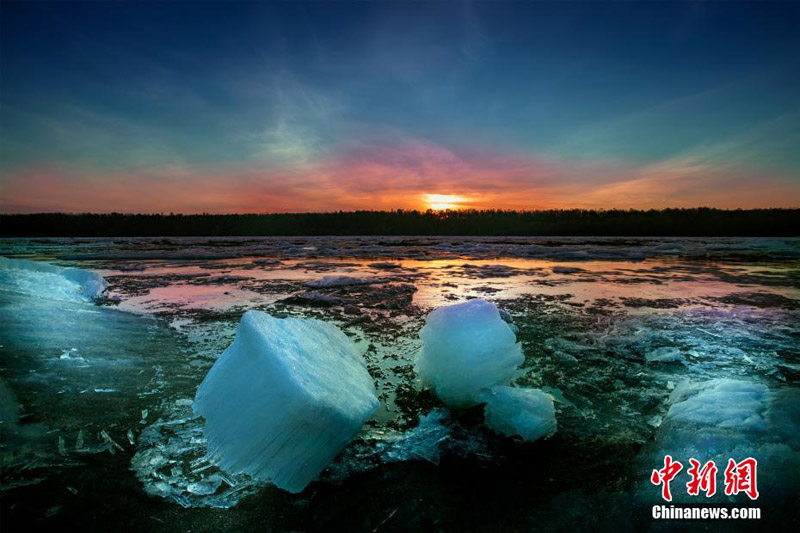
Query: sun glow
[[439, 202]]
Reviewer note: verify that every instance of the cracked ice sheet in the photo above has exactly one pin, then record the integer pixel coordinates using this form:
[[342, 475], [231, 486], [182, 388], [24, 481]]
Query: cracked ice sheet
[[600, 364], [74, 383]]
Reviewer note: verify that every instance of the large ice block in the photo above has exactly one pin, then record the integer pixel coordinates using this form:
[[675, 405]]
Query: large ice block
[[527, 413], [284, 398], [37, 278], [466, 348]]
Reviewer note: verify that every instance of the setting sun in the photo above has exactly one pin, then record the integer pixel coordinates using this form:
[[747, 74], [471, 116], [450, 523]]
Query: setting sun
[[440, 202]]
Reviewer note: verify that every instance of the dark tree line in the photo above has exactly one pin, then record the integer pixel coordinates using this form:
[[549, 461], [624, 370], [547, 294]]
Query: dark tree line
[[677, 222]]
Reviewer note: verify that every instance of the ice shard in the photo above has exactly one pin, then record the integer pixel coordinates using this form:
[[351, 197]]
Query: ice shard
[[526, 413]]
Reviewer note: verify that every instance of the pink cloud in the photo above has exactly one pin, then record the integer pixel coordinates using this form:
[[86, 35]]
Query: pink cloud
[[384, 175]]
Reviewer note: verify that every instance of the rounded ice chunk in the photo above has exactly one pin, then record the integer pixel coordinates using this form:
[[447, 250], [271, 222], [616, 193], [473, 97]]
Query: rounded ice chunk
[[466, 348], [284, 398], [527, 413]]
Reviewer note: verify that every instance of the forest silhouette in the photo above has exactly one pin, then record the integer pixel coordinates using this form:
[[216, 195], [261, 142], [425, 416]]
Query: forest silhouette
[[556, 222]]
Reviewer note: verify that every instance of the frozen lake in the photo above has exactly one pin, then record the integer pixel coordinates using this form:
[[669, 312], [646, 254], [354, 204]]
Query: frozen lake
[[96, 399]]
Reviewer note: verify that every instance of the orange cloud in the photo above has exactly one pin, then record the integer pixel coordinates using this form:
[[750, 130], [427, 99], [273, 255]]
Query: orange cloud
[[398, 175]]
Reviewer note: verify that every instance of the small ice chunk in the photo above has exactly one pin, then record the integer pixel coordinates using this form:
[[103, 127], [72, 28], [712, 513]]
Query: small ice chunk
[[205, 486], [423, 442], [315, 298], [527, 413], [466, 348], [283, 399], [665, 354], [52, 511], [110, 443], [343, 281]]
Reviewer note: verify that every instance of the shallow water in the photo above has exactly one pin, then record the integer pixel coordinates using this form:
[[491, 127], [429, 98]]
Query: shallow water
[[609, 328]]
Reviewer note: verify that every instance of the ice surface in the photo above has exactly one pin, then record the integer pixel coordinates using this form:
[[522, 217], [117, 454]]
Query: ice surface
[[284, 399], [44, 280], [527, 413], [466, 348]]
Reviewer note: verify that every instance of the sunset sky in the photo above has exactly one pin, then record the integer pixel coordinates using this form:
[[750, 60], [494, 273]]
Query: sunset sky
[[253, 107]]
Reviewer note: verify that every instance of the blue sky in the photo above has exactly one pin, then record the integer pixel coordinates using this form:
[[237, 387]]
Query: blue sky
[[299, 106]]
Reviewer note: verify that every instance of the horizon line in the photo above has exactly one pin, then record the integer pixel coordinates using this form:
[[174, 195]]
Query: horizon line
[[404, 211]]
